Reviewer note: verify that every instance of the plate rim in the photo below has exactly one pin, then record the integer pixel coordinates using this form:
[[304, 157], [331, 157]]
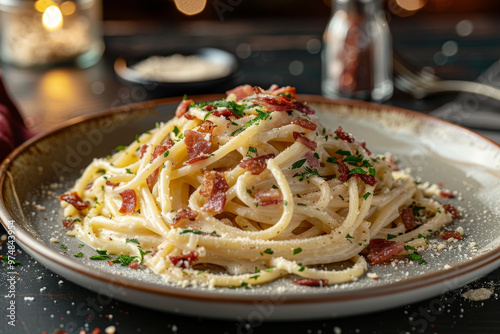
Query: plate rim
[[427, 280]]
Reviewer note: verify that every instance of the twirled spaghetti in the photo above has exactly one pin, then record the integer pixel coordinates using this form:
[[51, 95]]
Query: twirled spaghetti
[[255, 187]]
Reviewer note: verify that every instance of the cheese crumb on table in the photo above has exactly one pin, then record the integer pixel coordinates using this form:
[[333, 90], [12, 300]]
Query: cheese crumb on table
[[477, 294]]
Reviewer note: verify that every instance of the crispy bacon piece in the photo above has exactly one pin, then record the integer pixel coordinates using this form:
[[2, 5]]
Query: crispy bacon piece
[[186, 213], [312, 161], [241, 92], [208, 107], [129, 201], [207, 127], [214, 187], [305, 123], [197, 144], [74, 199], [305, 141], [143, 150], [446, 194], [408, 218], [69, 223], [133, 265], [158, 150], [267, 197], [274, 103], [256, 165], [112, 184], [343, 170], [445, 235], [449, 208], [310, 282], [366, 178], [189, 116], [380, 250], [182, 108], [343, 135], [303, 108], [226, 113], [257, 90], [185, 260], [88, 186], [363, 145]]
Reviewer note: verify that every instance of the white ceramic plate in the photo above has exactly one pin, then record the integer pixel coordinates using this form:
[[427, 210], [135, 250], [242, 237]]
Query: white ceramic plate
[[33, 175]]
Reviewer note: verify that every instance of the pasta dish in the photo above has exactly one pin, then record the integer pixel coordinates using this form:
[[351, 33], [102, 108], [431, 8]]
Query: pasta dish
[[248, 189]]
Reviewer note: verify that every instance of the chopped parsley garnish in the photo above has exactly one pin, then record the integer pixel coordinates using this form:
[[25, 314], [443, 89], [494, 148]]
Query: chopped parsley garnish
[[157, 124], [103, 255], [64, 247], [125, 259], [254, 277], [416, 209], [250, 151], [408, 247], [269, 251], [78, 254], [285, 203], [128, 171], [259, 117], [365, 196], [166, 154], [357, 170], [274, 186], [332, 160], [302, 204], [120, 148], [343, 152], [297, 250], [137, 139], [390, 236], [249, 191], [341, 197], [417, 257], [348, 236], [298, 164], [176, 131], [302, 268], [191, 231], [80, 245]]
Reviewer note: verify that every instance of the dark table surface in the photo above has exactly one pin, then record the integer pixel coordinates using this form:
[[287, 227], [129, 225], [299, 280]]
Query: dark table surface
[[47, 302]]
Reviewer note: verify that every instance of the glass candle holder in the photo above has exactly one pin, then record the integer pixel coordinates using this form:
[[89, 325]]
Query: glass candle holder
[[50, 32]]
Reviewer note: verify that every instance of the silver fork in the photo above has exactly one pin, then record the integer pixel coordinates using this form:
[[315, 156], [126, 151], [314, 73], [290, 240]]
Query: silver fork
[[422, 83]]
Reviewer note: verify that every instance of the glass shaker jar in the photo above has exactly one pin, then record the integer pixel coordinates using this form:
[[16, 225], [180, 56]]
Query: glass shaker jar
[[357, 52], [49, 32]]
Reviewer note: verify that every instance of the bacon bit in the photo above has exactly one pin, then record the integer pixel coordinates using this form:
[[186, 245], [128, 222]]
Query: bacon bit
[[392, 164], [366, 178], [256, 165], [241, 92], [133, 265], [207, 127], [257, 90], [445, 235], [69, 223], [186, 213], [312, 161], [144, 148], [226, 113], [343, 135], [159, 150], [201, 157], [129, 201], [380, 250], [305, 123], [310, 282], [214, 187], [88, 186], [343, 170], [182, 108], [196, 144], [112, 184], [74, 200], [286, 90], [189, 116], [275, 103], [363, 145], [305, 141], [152, 179], [408, 218], [449, 208], [96, 331], [303, 108], [184, 261], [208, 107], [446, 194], [267, 197], [110, 262]]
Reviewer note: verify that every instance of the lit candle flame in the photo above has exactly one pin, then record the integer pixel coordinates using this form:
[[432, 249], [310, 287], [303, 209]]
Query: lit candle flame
[[52, 18]]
